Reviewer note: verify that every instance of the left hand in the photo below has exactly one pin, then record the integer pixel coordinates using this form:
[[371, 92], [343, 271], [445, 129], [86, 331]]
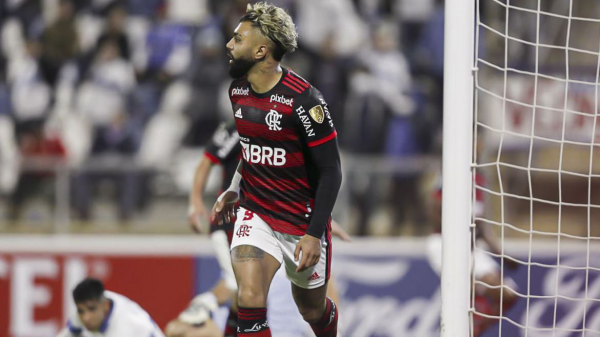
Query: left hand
[[311, 252]]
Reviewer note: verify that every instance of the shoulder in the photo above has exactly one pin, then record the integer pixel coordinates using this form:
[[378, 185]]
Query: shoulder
[[304, 93], [295, 82]]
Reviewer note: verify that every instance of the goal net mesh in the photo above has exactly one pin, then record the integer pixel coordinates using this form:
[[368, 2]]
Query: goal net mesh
[[537, 69]]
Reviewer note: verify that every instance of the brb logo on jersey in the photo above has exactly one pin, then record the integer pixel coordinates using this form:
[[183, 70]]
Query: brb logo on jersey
[[281, 99], [273, 120], [240, 91], [263, 154]]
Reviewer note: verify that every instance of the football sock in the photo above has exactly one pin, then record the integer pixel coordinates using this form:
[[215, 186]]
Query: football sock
[[252, 322], [327, 325]]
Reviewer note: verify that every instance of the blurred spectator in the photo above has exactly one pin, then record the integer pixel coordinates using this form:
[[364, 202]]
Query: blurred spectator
[[165, 55], [412, 15], [379, 91], [380, 99], [145, 8], [59, 42], [29, 15], [103, 101], [102, 98], [372, 11], [189, 12], [331, 33], [136, 79], [428, 65], [34, 144], [115, 31], [207, 72], [168, 49], [30, 94]]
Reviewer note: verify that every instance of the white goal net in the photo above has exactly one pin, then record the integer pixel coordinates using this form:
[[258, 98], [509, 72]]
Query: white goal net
[[537, 162]]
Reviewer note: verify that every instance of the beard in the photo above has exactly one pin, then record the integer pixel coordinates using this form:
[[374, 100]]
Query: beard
[[240, 67]]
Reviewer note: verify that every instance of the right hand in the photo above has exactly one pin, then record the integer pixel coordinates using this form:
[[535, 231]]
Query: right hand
[[198, 217], [224, 207]]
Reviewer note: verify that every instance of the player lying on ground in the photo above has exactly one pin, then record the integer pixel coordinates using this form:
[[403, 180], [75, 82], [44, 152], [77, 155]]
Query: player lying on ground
[[485, 269], [287, 181], [105, 313], [225, 150]]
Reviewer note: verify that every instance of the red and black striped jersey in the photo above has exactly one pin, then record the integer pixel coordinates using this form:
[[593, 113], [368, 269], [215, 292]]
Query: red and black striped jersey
[[276, 129]]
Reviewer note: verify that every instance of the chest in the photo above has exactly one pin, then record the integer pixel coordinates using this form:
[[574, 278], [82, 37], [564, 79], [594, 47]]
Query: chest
[[259, 116]]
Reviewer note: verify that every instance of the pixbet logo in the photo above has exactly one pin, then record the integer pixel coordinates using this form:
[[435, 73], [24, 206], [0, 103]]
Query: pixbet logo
[[263, 154], [240, 91], [281, 99]]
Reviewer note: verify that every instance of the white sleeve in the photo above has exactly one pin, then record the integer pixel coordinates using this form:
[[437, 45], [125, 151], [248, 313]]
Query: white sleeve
[[221, 247]]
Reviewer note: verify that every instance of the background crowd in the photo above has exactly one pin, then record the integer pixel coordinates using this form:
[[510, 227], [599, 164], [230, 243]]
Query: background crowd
[[119, 97]]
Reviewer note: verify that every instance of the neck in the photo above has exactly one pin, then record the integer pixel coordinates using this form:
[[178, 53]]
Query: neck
[[264, 75]]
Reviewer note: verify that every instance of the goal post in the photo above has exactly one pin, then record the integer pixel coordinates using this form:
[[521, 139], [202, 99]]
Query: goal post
[[521, 136], [457, 157]]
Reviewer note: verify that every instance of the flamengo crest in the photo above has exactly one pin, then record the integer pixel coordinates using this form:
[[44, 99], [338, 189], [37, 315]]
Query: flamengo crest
[[273, 120]]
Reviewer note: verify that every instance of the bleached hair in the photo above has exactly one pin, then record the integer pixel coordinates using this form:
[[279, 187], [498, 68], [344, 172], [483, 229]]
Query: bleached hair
[[274, 23]]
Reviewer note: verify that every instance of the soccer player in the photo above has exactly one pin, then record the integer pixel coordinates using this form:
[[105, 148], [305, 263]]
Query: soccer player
[[105, 313], [290, 176], [485, 269], [195, 321]]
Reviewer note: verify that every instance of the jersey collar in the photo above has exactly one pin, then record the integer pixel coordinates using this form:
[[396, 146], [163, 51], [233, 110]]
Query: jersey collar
[[284, 72]]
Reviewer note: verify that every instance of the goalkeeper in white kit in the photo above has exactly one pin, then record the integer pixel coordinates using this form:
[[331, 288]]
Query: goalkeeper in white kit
[[108, 314]]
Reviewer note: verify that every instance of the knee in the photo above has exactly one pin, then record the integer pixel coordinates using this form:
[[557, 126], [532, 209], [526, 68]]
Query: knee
[[250, 297]]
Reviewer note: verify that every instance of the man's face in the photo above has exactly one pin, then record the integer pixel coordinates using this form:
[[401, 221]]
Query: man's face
[[92, 313], [242, 49]]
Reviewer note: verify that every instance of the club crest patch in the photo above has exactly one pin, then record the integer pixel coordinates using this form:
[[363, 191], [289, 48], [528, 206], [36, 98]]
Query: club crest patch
[[317, 114]]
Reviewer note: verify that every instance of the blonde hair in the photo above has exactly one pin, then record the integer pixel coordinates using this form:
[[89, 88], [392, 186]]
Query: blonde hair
[[274, 23]]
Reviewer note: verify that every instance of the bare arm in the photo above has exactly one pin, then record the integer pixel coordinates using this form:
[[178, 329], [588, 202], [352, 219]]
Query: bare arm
[[197, 211], [223, 210]]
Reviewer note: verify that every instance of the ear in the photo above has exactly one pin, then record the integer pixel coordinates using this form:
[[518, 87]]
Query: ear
[[261, 52]]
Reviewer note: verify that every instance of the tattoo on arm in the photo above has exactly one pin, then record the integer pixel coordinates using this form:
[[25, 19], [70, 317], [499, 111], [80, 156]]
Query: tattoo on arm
[[247, 253]]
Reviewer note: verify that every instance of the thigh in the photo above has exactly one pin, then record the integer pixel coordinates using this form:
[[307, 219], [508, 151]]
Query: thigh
[[253, 268], [255, 252]]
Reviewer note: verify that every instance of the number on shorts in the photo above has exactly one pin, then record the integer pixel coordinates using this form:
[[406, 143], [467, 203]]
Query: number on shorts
[[248, 215]]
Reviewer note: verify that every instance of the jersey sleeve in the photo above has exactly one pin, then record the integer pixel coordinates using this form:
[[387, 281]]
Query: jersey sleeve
[[224, 144], [313, 118]]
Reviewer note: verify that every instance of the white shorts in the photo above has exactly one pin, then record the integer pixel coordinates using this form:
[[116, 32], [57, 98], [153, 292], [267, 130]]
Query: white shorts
[[484, 264], [251, 230]]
